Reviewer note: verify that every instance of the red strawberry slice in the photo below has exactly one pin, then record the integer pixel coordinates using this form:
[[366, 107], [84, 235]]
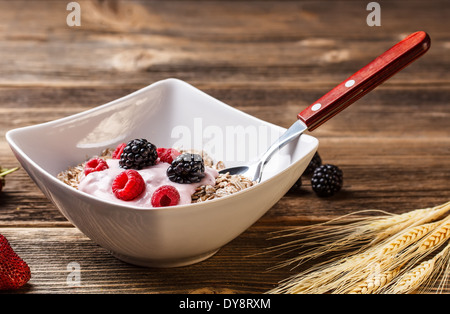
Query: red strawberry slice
[[167, 154], [165, 195], [95, 164], [128, 185], [14, 272]]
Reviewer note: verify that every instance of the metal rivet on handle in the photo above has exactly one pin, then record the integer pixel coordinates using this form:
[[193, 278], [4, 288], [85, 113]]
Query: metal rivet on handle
[[349, 83], [316, 107]]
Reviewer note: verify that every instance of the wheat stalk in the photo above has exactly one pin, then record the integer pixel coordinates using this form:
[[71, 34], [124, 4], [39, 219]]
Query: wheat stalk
[[395, 245], [439, 236], [415, 277], [408, 219], [375, 283], [411, 280], [384, 258], [411, 235], [360, 233], [434, 235]]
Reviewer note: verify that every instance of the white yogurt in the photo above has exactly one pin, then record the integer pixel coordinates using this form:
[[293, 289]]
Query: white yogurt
[[99, 183]]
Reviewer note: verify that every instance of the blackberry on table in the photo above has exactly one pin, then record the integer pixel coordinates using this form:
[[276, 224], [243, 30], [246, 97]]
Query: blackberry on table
[[186, 168], [315, 162], [137, 154], [296, 186], [327, 180]]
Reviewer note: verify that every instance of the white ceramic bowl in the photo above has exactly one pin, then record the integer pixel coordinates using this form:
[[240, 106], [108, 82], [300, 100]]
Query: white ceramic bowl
[[167, 113]]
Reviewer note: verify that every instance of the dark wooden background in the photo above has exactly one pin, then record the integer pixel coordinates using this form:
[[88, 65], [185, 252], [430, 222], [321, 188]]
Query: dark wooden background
[[268, 58]]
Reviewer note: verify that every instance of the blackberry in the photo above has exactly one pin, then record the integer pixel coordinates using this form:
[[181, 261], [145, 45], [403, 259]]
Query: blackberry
[[327, 180], [315, 162], [296, 186], [186, 168], [137, 154]]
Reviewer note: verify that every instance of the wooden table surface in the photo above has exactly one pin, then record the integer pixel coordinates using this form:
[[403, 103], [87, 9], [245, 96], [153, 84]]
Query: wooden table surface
[[267, 58]]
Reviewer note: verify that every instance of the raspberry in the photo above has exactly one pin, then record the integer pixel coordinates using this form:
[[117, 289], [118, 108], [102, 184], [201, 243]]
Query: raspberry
[[128, 185], [165, 195], [327, 180], [95, 164], [14, 271], [118, 151], [167, 154]]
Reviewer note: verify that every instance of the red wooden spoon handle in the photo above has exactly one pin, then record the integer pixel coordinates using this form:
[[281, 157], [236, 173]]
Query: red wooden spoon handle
[[366, 79]]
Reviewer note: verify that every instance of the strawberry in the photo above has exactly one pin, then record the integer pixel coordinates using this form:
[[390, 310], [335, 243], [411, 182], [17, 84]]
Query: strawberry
[[167, 154], [3, 173], [95, 164], [165, 195], [118, 151], [14, 272], [128, 185]]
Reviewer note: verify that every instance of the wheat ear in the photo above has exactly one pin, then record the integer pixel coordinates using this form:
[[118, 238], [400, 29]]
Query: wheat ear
[[437, 237], [411, 280], [347, 232], [343, 273], [413, 218], [375, 283], [411, 235], [384, 261]]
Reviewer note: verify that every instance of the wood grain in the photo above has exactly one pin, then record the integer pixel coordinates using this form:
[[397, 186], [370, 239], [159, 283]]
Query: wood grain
[[270, 59], [49, 251]]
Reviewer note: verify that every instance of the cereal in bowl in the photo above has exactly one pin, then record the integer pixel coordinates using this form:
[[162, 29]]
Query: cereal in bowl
[[140, 174]]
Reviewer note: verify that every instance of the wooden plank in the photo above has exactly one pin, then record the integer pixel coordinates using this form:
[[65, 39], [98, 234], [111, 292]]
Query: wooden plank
[[242, 266], [268, 58], [236, 268], [206, 40], [422, 111]]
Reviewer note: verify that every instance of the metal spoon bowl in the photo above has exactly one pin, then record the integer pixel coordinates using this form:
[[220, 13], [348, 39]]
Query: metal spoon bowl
[[255, 170]]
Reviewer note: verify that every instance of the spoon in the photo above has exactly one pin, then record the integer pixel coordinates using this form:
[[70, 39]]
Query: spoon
[[340, 97]]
